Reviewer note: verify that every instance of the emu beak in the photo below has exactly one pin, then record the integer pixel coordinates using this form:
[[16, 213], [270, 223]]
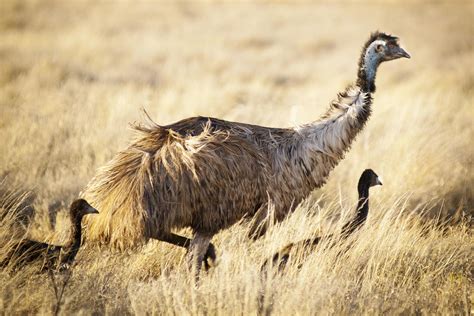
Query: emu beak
[[402, 53], [92, 210], [379, 181]]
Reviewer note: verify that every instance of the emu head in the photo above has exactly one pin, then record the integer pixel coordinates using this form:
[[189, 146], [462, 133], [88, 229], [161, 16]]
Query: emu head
[[383, 47], [369, 179], [79, 208], [379, 48]]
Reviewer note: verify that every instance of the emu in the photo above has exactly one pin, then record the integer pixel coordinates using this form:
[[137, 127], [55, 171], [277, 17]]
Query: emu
[[367, 180], [206, 173], [29, 251], [281, 259]]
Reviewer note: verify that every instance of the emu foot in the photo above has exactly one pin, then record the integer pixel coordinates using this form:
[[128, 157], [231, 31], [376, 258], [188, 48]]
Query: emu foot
[[210, 257]]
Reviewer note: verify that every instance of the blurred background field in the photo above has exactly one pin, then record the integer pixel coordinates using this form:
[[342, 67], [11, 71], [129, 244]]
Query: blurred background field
[[74, 74]]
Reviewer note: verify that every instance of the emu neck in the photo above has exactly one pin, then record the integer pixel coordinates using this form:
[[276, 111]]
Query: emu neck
[[74, 241], [323, 143], [362, 211], [368, 65], [331, 136], [363, 204]]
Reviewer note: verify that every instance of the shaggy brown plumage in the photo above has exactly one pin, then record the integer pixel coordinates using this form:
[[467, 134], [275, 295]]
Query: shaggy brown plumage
[[207, 174], [53, 256]]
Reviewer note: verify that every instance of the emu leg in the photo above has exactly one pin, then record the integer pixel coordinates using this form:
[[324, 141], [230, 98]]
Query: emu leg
[[185, 242], [282, 257], [198, 249], [260, 223], [266, 215], [174, 239]]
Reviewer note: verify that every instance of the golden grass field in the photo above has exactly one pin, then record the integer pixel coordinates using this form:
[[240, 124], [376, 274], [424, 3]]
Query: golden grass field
[[74, 74]]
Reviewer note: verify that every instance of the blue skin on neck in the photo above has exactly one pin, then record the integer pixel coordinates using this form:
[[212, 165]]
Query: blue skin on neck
[[371, 62]]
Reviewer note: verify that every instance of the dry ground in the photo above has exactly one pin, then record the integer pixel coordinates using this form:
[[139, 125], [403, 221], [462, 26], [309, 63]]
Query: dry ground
[[73, 74]]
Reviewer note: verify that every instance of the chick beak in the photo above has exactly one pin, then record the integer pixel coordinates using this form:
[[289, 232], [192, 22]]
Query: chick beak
[[93, 210]]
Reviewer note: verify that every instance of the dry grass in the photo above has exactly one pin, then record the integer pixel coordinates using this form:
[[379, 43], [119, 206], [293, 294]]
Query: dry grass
[[74, 74]]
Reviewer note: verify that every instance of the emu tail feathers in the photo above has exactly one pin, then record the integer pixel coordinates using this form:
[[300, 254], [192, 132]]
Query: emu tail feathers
[[117, 191], [121, 190]]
